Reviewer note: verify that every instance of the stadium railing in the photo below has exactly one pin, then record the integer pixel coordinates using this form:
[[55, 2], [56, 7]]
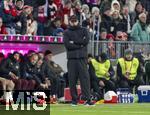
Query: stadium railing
[[115, 49]]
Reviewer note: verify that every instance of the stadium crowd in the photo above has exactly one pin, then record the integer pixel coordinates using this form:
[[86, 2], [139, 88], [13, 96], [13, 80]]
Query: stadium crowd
[[115, 20]]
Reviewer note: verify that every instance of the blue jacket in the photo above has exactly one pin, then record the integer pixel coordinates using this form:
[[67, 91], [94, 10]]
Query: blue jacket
[[139, 34]]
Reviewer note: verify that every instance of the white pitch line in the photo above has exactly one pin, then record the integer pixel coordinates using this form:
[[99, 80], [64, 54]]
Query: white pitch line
[[87, 111], [110, 106]]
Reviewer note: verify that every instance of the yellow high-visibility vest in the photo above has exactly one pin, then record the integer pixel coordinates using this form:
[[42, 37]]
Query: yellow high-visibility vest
[[129, 66], [101, 68]]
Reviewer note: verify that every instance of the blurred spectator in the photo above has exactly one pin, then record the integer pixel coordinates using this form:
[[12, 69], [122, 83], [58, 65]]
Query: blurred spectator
[[103, 37], [35, 4], [146, 4], [58, 32], [93, 3], [9, 16], [19, 4], [105, 4], [115, 5], [52, 8], [58, 3], [96, 19], [2, 27], [88, 23], [122, 2], [1, 56], [1, 8], [23, 20], [139, 31], [148, 23], [111, 46], [77, 9], [42, 18], [55, 27], [117, 22], [106, 20], [31, 26], [103, 34], [131, 4], [85, 12], [67, 11], [126, 19], [121, 36], [138, 10]]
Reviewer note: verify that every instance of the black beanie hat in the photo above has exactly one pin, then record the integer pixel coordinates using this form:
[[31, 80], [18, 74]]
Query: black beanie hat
[[103, 56]]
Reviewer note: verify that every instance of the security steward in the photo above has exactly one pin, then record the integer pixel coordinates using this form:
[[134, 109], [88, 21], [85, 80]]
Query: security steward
[[101, 73], [129, 71]]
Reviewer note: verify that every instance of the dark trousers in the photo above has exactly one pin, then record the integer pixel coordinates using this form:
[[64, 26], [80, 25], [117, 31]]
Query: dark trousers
[[22, 84], [61, 87], [55, 84], [109, 85], [147, 76], [77, 69], [125, 83]]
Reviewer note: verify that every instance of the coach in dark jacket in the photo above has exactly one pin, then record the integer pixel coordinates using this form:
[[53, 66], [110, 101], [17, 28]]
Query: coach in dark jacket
[[76, 40]]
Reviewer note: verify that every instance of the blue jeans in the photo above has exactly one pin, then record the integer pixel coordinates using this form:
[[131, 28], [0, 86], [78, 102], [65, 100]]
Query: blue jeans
[[11, 31]]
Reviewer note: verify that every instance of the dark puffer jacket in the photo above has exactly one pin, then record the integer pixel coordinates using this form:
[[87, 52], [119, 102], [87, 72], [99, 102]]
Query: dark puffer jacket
[[76, 40], [9, 65]]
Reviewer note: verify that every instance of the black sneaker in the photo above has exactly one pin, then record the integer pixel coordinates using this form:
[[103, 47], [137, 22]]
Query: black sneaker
[[89, 103]]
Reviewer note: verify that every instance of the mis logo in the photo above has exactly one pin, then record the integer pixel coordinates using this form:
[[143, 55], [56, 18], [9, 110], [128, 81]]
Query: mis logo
[[30, 101]]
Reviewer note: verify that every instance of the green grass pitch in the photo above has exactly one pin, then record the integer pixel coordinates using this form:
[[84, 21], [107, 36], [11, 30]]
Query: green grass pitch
[[101, 109]]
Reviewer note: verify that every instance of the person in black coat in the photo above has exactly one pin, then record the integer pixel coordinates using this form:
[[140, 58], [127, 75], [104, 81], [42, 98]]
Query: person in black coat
[[29, 71], [106, 20], [76, 40], [10, 68], [43, 72], [9, 74], [57, 76]]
